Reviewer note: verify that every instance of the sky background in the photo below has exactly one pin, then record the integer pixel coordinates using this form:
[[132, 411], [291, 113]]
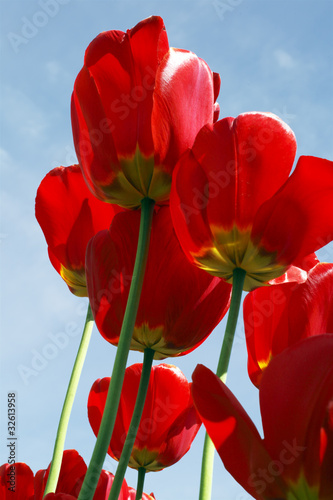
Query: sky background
[[272, 55]]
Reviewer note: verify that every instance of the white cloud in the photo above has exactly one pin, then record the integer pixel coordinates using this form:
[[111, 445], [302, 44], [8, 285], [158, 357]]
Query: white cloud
[[284, 60], [55, 72]]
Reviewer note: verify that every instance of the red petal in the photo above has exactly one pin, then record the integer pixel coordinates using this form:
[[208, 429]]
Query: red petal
[[266, 326], [72, 472], [188, 204], [298, 220], [19, 476], [233, 433], [69, 216], [173, 318], [278, 316], [249, 162], [168, 425], [183, 104], [294, 395], [235, 166], [311, 304], [123, 67]]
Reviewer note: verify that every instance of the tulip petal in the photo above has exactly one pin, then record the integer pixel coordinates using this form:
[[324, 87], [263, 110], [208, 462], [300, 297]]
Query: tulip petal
[[278, 316], [293, 417], [69, 216], [298, 220], [183, 82], [123, 66], [233, 433], [266, 326], [246, 160], [168, 424], [173, 318], [72, 472], [18, 476]]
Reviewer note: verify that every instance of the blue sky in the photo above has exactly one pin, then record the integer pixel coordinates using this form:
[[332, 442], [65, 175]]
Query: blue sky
[[272, 56]]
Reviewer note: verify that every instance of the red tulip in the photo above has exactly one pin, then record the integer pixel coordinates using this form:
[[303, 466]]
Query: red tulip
[[169, 422], [234, 206], [277, 317], [73, 469], [180, 304], [69, 216], [295, 458], [136, 106]]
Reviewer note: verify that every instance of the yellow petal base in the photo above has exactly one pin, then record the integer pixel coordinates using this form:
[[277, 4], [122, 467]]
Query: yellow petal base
[[138, 178], [235, 249]]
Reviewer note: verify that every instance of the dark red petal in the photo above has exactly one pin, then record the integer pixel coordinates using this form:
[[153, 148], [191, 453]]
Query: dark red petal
[[18, 476], [104, 487], [169, 408], [188, 205], [250, 159], [72, 472], [106, 278], [96, 403], [217, 85], [265, 315], [278, 316], [70, 215], [181, 435], [168, 424], [294, 393], [298, 220], [326, 455], [93, 134], [233, 433], [311, 305], [123, 67], [183, 104], [173, 318]]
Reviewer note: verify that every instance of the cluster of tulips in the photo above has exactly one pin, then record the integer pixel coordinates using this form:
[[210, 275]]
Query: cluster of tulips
[[169, 215]]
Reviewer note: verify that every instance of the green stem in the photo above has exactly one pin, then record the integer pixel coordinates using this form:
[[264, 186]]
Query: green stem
[[117, 378], [52, 481], [134, 425], [236, 297], [207, 465], [222, 369], [140, 483]]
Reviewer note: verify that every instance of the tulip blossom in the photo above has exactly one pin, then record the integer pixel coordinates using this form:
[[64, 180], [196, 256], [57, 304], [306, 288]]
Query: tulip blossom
[[279, 316], [234, 206], [136, 106], [69, 216], [180, 305], [26, 486], [294, 461], [169, 422]]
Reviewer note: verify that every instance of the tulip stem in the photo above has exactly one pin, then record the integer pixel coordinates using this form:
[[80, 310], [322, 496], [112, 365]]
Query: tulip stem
[[59, 444], [222, 370], [140, 483], [134, 425], [112, 401]]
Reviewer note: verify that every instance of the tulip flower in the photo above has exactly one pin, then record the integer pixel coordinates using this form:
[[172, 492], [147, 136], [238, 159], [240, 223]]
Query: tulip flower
[[69, 216], [169, 422], [295, 458], [279, 316], [180, 305], [136, 106], [234, 206], [26, 486]]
